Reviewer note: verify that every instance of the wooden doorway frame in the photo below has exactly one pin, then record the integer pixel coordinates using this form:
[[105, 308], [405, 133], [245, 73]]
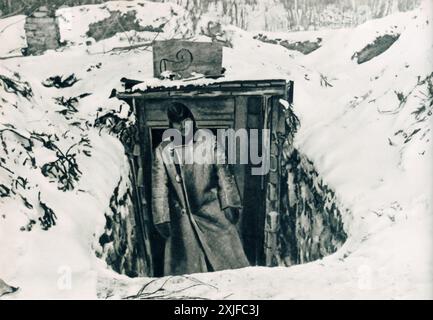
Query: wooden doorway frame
[[271, 117]]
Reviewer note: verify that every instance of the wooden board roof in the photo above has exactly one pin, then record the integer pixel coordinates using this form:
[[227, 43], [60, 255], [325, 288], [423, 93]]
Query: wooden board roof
[[209, 88]]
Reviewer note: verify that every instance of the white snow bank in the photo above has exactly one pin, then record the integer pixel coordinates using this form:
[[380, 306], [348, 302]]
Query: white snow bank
[[353, 130], [12, 36], [171, 19]]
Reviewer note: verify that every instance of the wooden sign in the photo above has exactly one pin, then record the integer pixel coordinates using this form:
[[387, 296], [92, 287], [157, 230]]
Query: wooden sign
[[182, 58]]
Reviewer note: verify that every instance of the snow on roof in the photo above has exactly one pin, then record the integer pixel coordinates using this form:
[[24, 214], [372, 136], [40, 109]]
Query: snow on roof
[[154, 84]]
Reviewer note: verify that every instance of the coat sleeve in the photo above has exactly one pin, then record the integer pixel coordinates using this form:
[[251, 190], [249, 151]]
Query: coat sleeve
[[228, 192], [160, 207]]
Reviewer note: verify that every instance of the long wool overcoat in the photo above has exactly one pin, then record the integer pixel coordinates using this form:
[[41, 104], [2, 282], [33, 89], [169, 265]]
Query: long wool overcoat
[[191, 197]]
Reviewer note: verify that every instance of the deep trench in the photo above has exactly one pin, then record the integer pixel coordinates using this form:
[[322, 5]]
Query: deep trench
[[310, 219]]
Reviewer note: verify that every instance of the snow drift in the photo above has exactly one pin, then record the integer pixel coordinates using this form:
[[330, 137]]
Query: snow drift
[[366, 127]]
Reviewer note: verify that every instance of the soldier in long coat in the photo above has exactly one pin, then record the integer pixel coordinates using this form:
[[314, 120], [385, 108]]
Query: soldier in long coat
[[195, 205]]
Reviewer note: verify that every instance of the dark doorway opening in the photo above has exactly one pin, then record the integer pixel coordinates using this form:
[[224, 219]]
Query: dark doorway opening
[[157, 241]]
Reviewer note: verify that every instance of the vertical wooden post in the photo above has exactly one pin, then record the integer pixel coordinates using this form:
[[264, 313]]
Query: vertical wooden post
[[241, 114], [140, 186], [273, 182]]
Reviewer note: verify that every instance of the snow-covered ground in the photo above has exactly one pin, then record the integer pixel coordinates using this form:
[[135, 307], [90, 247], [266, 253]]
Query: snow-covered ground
[[12, 36], [362, 132]]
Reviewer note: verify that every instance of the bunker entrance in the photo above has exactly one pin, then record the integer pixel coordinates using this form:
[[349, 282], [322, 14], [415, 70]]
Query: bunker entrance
[[221, 105], [289, 215], [216, 114]]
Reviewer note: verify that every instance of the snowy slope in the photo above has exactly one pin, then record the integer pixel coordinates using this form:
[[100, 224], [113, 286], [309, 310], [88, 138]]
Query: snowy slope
[[12, 36], [284, 15], [354, 131], [74, 22]]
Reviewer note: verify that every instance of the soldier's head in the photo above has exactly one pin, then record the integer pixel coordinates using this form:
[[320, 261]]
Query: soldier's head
[[181, 118]]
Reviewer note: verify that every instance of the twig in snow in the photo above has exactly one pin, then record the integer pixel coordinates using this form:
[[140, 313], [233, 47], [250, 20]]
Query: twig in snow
[[162, 292]]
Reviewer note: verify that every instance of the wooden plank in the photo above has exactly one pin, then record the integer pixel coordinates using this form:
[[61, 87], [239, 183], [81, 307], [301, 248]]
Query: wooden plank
[[185, 57], [143, 213], [212, 123], [241, 113], [204, 93], [203, 109], [185, 85], [242, 91]]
